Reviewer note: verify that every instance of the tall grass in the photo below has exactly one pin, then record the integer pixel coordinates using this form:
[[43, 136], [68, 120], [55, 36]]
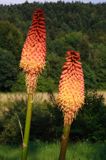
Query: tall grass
[[7, 98], [49, 151]]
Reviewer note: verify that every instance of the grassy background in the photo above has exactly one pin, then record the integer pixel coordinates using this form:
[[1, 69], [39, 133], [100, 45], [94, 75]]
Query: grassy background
[[7, 98], [50, 151]]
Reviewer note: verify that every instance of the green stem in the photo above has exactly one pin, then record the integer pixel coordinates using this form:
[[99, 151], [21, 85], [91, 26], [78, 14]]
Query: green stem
[[64, 142], [27, 127]]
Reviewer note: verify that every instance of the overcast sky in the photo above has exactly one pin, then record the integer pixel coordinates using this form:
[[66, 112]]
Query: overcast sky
[[22, 1]]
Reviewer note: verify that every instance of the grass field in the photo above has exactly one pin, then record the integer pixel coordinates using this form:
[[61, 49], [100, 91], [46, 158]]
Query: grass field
[[104, 95], [49, 151], [38, 97], [45, 151]]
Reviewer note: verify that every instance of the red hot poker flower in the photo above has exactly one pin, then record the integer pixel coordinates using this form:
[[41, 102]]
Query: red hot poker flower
[[71, 86], [34, 50]]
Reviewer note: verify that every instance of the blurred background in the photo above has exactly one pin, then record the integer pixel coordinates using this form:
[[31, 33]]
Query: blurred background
[[70, 25]]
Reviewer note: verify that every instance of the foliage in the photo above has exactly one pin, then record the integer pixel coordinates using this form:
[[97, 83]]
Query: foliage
[[47, 121], [46, 84], [11, 38], [19, 85], [90, 123], [8, 69], [10, 129], [69, 25], [89, 77], [10, 45]]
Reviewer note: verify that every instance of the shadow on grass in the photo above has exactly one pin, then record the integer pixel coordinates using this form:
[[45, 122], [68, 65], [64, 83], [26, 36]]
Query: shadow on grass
[[50, 151], [44, 151], [100, 152], [9, 152], [87, 151], [14, 152]]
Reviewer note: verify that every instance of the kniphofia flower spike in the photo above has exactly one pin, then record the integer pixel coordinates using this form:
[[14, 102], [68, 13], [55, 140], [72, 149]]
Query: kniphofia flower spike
[[71, 86], [32, 62], [34, 50], [71, 94]]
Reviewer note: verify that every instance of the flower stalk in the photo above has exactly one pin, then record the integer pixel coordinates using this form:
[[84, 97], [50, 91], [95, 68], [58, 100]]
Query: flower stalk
[[27, 127], [64, 141]]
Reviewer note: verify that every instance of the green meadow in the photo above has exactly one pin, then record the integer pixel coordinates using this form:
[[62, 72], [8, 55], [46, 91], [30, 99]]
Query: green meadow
[[50, 151]]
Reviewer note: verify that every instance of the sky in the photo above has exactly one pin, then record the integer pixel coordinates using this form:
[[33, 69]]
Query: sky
[[22, 1]]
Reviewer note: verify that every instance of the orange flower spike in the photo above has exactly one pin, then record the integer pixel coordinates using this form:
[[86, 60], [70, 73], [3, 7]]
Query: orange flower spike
[[33, 61], [34, 50], [71, 87]]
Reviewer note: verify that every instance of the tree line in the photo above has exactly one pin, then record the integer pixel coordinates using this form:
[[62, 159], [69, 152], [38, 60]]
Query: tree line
[[76, 26]]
